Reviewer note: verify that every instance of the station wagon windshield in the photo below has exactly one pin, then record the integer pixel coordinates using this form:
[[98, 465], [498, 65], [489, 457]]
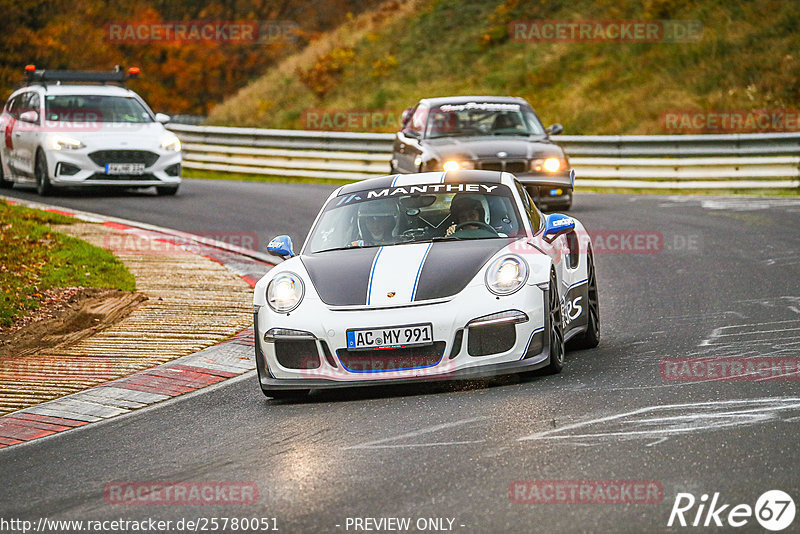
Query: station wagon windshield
[[413, 214], [95, 108]]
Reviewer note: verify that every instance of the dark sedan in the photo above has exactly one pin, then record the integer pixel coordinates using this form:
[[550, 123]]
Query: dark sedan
[[488, 133]]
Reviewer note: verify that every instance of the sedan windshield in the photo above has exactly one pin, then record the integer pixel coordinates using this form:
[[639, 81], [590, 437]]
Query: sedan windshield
[[413, 214], [482, 118], [95, 108]]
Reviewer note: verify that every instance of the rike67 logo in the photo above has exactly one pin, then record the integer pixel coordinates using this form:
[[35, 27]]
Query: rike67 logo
[[774, 510]]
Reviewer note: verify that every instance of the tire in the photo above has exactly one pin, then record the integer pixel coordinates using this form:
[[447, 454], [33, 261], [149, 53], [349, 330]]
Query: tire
[[164, 191], [286, 394], [4, 184], [555, 334], [591, 338], [43, 185]]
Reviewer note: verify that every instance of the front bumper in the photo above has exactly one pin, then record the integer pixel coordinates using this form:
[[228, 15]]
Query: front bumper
[[74, 168], [324, 366]]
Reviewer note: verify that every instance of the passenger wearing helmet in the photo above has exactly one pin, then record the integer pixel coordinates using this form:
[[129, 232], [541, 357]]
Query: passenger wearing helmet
[[376, 220], [467, 209]]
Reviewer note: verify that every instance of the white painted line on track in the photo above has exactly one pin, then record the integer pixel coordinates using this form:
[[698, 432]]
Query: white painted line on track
[[420, 432]]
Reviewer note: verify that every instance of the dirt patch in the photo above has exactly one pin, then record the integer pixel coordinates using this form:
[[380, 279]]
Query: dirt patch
[[66, 316]]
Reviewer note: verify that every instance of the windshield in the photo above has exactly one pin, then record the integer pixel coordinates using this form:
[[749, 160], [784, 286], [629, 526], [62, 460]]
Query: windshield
[[95, 108], [413, 214], [482, 118]]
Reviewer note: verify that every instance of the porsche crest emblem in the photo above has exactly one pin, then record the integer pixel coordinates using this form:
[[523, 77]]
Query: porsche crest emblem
[[391, 294]]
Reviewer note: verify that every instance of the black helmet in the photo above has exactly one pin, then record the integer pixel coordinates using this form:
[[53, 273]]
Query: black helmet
[[463, 203]]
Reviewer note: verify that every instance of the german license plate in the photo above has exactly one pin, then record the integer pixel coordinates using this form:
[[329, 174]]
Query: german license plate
[[124, 168], [387, 338]]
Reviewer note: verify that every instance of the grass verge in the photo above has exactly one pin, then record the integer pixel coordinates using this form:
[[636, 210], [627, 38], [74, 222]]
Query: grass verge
[[33, 258], [243, 177], [766, 192]]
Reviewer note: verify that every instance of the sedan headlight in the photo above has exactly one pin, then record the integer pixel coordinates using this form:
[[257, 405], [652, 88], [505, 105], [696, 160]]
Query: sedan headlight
[[63, 142], [285, 292], [171, 142], [455, 165], [506, 275], [551, 164]]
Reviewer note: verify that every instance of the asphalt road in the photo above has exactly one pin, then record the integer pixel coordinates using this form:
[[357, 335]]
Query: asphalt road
[[723, 283]]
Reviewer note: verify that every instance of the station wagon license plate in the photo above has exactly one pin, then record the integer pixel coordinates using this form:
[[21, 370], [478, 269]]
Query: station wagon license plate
[[386, 338], [124, 168]]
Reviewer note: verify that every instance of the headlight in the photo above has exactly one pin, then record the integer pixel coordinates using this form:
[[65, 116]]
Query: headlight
[[62, 142], [171, 142], [552, 164], [454, 165], [285, 292], [506, 275], [549, 165]]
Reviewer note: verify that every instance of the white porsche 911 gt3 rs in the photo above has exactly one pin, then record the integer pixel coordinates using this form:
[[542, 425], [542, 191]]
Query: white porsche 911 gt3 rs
[[430, 276]]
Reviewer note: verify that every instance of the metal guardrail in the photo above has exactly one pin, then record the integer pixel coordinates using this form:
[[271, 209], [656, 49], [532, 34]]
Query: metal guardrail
[[642, 161]]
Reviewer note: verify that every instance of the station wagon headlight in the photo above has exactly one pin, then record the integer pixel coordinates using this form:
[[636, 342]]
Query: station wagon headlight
[[63, 142], [506, 275], [171, 142], [285, 292]]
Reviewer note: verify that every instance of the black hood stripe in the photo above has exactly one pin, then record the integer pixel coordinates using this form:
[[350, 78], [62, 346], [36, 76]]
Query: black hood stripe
[[450, 265], [341, 277]]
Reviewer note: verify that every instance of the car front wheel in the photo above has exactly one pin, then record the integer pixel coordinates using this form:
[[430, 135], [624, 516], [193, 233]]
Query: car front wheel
[[4, 184], [555, 332], [43, 185]]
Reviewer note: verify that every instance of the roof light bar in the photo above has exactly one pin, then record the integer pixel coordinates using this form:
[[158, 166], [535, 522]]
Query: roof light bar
[[118, 75]]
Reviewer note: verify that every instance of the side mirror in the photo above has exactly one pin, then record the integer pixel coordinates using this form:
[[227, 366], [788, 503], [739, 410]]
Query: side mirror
[[557, 224], [30, 116], [555, 129], [406, 116], [163, 118], [412, 134], [281, 246]]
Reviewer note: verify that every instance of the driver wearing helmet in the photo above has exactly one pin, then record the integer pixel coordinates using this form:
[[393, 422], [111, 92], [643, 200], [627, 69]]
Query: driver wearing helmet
[[463, 209], [376, 220]]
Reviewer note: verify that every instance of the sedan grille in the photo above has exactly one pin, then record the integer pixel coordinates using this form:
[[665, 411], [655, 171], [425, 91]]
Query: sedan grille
[[102, 157], [514, 166]]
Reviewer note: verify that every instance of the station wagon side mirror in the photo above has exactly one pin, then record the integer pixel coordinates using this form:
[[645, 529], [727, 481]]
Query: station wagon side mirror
[[557, 224], [30, 116], [555, 129], [281, 246], [163, 118]]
